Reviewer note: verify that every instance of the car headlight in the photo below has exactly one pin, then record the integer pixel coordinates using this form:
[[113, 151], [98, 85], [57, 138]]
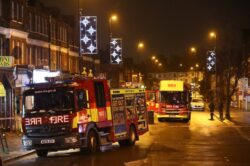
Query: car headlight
[[27, 142]]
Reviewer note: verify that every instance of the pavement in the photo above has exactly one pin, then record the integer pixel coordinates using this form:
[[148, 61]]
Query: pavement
[[238, 118], [15, 149]]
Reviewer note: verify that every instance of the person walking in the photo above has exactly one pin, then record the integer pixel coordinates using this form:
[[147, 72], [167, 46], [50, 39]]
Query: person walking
[[211, 107]]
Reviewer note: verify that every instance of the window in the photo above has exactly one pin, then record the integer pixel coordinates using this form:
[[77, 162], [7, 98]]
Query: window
[[45, 27], [12, 10], [1, 45], [17, 11], [1, 4], [30, 21], [99, 94], [81, 96], [36, 22], [23, 61]]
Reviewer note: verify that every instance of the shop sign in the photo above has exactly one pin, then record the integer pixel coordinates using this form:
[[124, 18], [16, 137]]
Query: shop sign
[[2, 90], [243, 84], [6, 61]]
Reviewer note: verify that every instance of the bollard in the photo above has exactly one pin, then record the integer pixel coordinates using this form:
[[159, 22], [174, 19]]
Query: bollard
[[3, 140], [150, 117]]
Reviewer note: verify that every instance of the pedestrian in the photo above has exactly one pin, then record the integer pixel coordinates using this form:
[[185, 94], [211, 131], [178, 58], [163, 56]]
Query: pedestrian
[[211, 107]]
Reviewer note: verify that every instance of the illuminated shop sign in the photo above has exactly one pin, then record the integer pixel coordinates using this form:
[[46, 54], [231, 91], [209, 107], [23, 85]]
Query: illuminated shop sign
[[6, 61]]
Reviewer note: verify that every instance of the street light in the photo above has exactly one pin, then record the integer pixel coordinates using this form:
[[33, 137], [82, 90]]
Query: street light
[[112, 18], [196, 74], [140, 47], [153, 57], [213, 36], [193, 50]]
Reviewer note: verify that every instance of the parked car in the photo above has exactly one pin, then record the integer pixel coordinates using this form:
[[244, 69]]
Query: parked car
[[197, 104]]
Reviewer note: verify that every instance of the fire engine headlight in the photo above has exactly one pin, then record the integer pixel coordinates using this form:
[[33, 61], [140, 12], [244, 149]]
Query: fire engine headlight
[[80, 129], [27, 142], [70, 140]]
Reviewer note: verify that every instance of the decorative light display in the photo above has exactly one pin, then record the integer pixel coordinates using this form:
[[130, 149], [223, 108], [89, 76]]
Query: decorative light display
[[116, 51], [211, 61], [88, 34]]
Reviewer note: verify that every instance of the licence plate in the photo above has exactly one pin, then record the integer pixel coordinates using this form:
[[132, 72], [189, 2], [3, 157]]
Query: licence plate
[[171, 115], [48, 141]]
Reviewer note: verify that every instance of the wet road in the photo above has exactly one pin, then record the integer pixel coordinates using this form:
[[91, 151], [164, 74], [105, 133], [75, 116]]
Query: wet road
[[200, 141]]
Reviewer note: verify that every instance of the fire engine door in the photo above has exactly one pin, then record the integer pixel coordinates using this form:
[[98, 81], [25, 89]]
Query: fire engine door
[[100, 101]]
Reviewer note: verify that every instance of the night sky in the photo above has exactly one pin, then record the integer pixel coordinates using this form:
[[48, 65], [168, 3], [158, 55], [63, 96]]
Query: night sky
[[167, 27]]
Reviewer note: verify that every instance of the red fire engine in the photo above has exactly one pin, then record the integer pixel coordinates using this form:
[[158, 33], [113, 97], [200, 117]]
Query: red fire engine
[[83, 113], [171, 101]]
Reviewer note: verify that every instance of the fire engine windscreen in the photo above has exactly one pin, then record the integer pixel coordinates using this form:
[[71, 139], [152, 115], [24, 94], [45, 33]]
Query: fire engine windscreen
[[174, 98], [49, 99]]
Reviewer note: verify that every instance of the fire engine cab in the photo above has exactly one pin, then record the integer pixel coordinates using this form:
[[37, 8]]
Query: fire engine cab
[[171, 101], [81, 113]]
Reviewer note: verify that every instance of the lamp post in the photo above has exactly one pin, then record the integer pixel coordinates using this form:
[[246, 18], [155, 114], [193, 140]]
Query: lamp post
[[112, 18], [140, 47], [196, 77], [213, 36]]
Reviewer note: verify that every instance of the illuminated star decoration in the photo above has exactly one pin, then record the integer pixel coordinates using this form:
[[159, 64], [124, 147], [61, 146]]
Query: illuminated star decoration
[[116, 51], [88, 34], [211, 61]]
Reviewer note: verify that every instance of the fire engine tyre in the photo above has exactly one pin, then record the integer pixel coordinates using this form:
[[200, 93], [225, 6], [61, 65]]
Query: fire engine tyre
[[42, 153], [131, 140], [161, 119], [132, 136], [92, 142]]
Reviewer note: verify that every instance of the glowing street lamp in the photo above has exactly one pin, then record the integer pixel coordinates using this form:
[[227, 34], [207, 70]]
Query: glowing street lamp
[[140, 47], [160, 64], [153, 57], [212, 34], [112, 18], [193, 49]]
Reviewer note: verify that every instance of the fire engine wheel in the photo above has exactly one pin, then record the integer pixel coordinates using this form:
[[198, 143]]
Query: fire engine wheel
[[131, 139], [42, 153], [132, 136], [92, 142]]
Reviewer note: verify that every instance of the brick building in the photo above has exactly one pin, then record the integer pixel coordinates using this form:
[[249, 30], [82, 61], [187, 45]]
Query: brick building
[[34, 36]]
